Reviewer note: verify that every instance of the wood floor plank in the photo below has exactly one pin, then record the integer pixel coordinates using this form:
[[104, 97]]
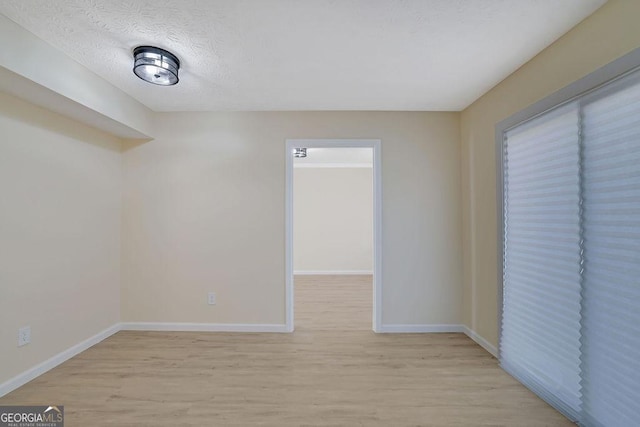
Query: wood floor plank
[[331, 371]]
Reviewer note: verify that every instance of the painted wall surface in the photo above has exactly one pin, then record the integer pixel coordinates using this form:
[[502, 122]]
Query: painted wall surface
[[609, 33], [60, 207], [67, 77], [333, 220], [204, 211]]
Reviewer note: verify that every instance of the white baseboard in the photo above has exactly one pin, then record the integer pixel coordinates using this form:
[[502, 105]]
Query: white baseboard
[[332, 272], [412, 328], [30, 374], [203, 327], [416, 328], [481, 341], [36, 371]]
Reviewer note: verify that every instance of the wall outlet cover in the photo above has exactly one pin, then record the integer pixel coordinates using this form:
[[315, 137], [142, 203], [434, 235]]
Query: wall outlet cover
[[24, 336]]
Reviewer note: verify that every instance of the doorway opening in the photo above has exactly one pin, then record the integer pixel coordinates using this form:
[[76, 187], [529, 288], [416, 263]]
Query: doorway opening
[[356, 154]]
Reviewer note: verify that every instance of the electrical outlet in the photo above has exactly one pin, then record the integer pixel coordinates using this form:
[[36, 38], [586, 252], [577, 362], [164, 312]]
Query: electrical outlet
[[212, 298], [24, 336]]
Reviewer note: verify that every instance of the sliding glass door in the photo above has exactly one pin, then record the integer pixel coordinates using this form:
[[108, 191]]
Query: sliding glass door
[[611, 306], [570, 327]]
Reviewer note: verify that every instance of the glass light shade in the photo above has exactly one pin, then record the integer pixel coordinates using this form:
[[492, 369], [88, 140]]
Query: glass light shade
[[155, 65]]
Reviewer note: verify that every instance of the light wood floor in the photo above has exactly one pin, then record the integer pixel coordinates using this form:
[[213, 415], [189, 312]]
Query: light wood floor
[[332, 371]]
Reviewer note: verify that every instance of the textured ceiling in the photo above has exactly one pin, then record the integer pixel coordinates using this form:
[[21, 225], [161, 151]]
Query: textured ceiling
[[306, 54]]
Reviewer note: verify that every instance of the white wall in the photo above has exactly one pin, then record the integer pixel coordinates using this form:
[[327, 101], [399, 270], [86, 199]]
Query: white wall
[[60, 208], [204, 210], [333, 220]]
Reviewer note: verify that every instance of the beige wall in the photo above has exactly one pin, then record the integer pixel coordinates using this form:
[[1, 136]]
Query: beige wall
[[333, 219], [606, 35], [204, 208], [60, 206], [204, 211]]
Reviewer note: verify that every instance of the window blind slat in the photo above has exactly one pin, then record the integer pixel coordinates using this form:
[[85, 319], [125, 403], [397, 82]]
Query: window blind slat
[[540, 338], [611, 307]]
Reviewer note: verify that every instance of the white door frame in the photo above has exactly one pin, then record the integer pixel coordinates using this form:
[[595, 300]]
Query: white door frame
[[375, 144]]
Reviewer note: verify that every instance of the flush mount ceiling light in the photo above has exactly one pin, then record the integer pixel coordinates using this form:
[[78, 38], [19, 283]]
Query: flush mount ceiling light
[[299, 152], [155, 65]]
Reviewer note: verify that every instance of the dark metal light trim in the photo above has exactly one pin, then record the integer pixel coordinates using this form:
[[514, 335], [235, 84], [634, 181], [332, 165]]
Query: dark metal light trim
[[299, 152], [155, 65]]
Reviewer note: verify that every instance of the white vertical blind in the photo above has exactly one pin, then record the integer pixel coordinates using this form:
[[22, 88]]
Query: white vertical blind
[[611, 309], [540, 335]]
